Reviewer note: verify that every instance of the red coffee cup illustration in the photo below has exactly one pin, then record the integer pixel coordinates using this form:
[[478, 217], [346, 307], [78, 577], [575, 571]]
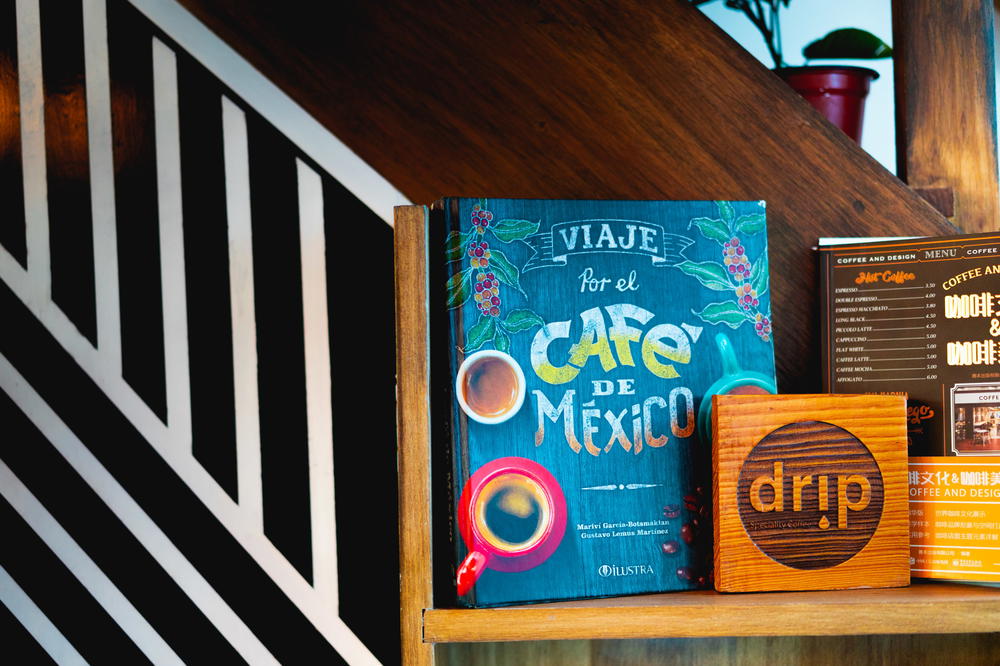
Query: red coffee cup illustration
[[512, 517]]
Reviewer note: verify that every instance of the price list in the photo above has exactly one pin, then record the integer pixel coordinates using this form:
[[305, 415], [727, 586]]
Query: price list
[[884, 334]]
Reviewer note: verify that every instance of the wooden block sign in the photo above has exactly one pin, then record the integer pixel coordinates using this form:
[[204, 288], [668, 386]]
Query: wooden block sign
[[810, 492]]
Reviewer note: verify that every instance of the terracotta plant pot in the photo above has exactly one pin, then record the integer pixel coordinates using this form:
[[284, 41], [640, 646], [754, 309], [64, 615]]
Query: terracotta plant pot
[[836, 91]]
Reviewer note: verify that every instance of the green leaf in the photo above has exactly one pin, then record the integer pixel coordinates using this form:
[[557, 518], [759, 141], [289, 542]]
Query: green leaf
[[459, 288], [848, 43], [512, 230], [716, 230], [522, 320], [505, 271], [759, 275], [455, 246], [480, 333], [500, 340], [727, 313], [727, 211], [750, 224], [710, 273]]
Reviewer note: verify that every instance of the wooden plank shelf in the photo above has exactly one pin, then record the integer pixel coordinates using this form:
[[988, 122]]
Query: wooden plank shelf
[[923, 607]]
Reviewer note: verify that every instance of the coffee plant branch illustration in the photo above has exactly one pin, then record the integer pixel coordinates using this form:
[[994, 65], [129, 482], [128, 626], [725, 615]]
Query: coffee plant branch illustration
[[746, 280], [488, 268]]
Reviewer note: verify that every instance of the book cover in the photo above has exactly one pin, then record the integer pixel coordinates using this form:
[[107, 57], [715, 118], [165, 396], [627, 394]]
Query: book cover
[[583, 337], [920, 317]]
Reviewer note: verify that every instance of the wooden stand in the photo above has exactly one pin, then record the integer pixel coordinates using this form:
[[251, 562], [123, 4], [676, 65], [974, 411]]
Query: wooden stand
[[922, 608], [811, 454]]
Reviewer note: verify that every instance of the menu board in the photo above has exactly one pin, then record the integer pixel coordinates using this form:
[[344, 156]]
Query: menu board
[[919, 317]]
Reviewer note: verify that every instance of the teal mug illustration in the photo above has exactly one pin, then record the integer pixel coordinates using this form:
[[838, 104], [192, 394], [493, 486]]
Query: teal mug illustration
[[734, 381]]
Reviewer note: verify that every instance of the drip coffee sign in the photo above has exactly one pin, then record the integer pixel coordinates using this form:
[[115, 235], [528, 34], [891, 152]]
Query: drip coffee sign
[[810, 492]]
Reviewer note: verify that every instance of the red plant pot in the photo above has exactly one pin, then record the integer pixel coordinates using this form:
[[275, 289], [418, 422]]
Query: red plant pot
[[836, 91]]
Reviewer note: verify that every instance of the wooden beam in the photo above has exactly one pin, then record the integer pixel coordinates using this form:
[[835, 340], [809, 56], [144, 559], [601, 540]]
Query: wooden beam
[[946, 105], [413, 432]]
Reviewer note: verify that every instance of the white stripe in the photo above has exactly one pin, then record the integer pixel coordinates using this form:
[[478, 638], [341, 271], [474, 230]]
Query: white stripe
[[35, 295], [318, 393], [102, 183], [278, 108], [34, 620], [168, 187], [247, 532], [36, 198], [132, 516], [85, 570], [234, 134]]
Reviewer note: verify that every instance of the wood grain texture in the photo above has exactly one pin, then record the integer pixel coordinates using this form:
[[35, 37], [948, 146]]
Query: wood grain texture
[[897, 650], [919, 608], [564, 99], [946, 104], [813, 453], [743, 424], [413, 430]]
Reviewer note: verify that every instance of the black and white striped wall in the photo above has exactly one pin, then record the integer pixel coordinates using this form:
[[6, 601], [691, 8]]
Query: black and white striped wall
[[197, 446]]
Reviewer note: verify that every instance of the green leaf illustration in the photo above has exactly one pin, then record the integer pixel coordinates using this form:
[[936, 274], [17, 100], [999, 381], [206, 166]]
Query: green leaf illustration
[[500, 340], [459, 288], [710, 273], [505, 271], [716, 230], [521, 320], [750, 224], [758, 276], [727, 313], [727, 211], [455, 246], [512, 230], [479, 334]]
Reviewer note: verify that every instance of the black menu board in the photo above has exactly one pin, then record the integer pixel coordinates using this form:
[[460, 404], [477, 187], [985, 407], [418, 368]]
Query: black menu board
[[919, 317]]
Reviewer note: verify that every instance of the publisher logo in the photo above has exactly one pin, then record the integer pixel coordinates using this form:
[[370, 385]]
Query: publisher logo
[[810, 495], [615, 571]]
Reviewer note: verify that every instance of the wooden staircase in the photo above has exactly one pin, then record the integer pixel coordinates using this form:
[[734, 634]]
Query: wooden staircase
[[622, 99]]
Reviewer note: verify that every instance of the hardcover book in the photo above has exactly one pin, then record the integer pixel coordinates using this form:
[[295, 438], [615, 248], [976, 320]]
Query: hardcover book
[[920, 317], [582, 339]]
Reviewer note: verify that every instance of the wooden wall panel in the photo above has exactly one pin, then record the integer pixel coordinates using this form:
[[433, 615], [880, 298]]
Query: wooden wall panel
[[591, 100]]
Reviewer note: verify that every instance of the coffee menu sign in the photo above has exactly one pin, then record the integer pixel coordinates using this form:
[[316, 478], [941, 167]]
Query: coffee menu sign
[[921, 318], [582, 339], [810, 492]]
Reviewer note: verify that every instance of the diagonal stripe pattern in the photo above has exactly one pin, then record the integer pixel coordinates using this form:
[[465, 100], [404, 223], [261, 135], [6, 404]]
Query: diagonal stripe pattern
[[172, 365]]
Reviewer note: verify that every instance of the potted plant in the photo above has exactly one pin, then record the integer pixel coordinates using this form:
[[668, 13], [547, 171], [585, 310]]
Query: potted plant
[[836, 91]]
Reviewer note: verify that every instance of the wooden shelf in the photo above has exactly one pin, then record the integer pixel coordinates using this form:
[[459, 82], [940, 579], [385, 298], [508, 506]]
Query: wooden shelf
[[924, 607]]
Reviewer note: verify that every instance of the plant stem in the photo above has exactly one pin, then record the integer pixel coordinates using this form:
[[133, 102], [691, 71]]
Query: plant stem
[[760, 21]]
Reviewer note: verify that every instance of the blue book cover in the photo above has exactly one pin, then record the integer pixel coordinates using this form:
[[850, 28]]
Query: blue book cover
[[583, 338]]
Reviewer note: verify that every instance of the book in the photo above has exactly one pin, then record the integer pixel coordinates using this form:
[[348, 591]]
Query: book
[[582, 339], [920, 317]]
